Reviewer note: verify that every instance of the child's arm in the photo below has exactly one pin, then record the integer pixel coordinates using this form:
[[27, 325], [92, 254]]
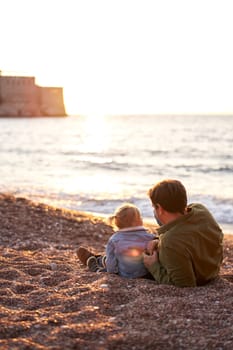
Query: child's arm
[[111, 261]]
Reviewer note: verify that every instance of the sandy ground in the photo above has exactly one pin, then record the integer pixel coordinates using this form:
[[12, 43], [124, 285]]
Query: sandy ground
[[48, 300]]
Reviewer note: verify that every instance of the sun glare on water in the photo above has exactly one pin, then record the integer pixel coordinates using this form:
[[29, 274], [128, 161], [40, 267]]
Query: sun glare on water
[[93, 155], [95, 135]]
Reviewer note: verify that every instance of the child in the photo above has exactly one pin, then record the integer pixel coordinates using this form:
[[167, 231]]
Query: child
[[124, 248]]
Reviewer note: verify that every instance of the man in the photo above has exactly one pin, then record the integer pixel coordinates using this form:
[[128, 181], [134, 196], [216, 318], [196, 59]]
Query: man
[[189, 252]]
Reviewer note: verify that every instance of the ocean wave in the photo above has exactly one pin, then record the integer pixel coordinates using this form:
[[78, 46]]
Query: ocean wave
[[17, 151], [221, 208], [225, 169], [203, 168], [78, 153]]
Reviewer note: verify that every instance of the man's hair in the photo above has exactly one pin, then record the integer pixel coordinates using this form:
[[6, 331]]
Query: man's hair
[[170, 194], [126, 216]]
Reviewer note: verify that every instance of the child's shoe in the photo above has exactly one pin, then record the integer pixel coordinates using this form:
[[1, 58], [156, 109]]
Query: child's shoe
[[93, 265], [84, 254]]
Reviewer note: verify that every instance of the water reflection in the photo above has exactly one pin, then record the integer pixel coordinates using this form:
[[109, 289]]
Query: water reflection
[[95, 134]]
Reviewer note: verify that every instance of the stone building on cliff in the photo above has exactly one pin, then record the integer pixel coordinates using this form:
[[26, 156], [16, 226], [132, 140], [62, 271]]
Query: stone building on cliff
[[20, 96]]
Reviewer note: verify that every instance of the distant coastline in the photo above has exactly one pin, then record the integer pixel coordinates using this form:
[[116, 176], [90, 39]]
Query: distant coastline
[[21, 97]]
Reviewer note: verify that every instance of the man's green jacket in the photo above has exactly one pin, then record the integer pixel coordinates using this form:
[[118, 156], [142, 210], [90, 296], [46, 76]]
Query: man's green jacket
[[190, 249]]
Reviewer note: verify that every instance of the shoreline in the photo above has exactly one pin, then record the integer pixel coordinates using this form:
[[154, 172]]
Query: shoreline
[[149, 221]]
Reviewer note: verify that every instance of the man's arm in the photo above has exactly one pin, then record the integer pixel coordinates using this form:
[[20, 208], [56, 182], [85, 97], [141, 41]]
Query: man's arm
[[152, 263], [152, 245], [176, 269]]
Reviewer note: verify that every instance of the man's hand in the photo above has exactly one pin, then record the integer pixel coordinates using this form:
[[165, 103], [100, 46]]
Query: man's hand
[[149, 260], [152, 246]]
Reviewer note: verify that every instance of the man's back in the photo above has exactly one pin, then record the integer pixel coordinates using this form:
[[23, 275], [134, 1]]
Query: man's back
[[190, 249]]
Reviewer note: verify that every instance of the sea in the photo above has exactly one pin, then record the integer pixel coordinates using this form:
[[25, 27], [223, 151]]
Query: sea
[[95, 163]]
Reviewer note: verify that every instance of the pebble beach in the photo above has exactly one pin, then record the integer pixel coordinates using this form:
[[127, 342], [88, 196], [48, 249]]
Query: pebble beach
[[48, 300]]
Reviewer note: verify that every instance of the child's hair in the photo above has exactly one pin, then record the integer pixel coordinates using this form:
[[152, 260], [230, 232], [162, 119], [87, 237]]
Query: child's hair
[[127, 215]]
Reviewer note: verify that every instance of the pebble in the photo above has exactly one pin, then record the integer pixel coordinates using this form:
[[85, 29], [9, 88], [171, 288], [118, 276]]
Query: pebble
[[53, 266]]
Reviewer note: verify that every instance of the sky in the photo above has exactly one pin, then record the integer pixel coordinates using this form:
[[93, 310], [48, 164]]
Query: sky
[[124, 56]]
